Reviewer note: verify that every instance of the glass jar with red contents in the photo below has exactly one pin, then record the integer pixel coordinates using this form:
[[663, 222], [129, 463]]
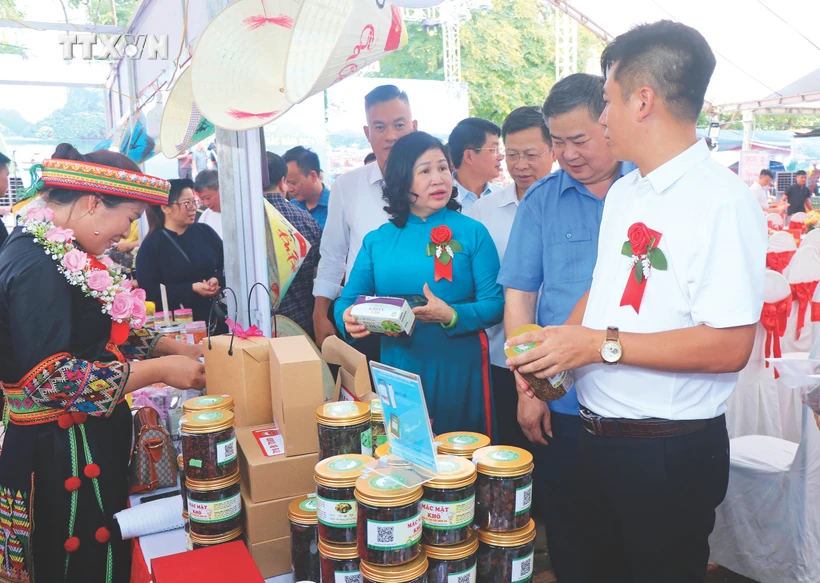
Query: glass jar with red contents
[[214, 507], [209, 445], [461, 443], [448, 505], [503, 488], [454, 562], [304, 539], [413, 572], [339, 562], [201, 542], [337, 509], [506, 556]]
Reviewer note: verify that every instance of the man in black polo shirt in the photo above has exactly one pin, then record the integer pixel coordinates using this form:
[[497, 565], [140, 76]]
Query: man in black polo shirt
[[798, 194]]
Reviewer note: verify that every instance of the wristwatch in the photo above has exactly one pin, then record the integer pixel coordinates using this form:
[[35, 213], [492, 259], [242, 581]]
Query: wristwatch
[[611, 351]]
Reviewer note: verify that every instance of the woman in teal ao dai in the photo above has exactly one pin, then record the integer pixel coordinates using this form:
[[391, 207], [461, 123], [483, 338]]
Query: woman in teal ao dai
[[430, 248]]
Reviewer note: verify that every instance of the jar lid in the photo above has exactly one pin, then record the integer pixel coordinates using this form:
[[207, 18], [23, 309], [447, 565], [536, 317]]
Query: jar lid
[[180, 462], [341, 552], [454, 552], [184, 515], [398, 574], [512, 351], [453, 472], [376, 411], [207, 421], [386, 491], [382, 451], [303, 510], [503, 461], [208, 403], [341, 471], [461, 443], [211, 485], [202, 539], [343, 413], [512, 538]]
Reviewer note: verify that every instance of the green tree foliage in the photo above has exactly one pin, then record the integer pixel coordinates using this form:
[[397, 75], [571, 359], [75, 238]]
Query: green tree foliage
[[8, 11], [734, 121], [82, 117], [422, 58], [99, 11]]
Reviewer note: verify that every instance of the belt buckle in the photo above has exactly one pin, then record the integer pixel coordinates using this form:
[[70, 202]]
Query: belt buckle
[[594, 419]]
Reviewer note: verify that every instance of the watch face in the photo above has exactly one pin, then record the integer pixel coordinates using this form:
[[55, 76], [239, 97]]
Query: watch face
[[611, 351]]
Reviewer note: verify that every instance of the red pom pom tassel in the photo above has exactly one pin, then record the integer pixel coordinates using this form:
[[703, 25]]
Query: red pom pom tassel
[[103, 535], [92, 471], [73, 483], [71, 544], [79, 417], [65, 421]]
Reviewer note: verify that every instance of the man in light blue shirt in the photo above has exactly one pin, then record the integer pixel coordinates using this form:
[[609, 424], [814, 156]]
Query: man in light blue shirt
[[475, 147], [552, 249], [305, 183]]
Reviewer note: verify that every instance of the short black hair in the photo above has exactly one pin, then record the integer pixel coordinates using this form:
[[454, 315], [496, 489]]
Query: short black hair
[[800, 173], [277, 168], [4, 160], [470, 134], [371, 157], [765, 172], [524, 118], [154, 214], [306, 160], [399, 173], [206, 180], [574, 91], [672, 58], [384, 93]]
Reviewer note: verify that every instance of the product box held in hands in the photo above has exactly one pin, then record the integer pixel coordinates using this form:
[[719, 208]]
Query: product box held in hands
[[296, 392], [241, 370], [384, 315], [267, 474], [353, 381]]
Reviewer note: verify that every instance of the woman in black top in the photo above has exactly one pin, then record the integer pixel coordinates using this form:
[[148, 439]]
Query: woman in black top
[[184, 255]]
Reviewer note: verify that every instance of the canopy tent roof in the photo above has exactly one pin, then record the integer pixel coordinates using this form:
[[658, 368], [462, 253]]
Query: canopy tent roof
[[763, 47]]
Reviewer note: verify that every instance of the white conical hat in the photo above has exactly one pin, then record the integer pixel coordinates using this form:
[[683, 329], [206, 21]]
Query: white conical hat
[[239, 64], [182, 123], [332, 39]]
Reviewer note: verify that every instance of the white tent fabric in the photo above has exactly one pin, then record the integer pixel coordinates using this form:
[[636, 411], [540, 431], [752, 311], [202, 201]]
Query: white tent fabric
[[761, 45]]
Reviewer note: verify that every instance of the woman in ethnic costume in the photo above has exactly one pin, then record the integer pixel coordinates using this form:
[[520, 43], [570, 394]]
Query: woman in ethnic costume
[[67, 324]]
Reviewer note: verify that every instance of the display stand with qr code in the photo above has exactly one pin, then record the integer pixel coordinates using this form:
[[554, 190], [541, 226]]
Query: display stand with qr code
[[413, 452]]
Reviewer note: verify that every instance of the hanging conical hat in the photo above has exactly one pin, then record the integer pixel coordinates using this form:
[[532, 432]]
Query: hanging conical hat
[[332, 39], [182, 123], [239, 65]]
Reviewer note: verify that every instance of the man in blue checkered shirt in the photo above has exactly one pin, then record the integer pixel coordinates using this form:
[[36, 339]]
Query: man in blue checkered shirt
[[298, 302]]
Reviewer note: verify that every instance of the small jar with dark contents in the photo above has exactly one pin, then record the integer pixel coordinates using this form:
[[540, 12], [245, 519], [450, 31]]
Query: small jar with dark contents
[[506, 556], [453, 563], [209, 445], [461, 443], [504, 488], [377, 423], [344, 427], [183, 490], [413, 572], [389, 522], [201, 542], [448, 505], [208, 403], [336, 506], [304, 539], [339, 562], [214, 507], [383, 450]]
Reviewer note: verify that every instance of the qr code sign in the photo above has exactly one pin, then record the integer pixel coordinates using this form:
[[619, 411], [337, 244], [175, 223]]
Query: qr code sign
[[464, 578], [385, 534], [230, 449], [526, 568], [353, 579], [527, 497]]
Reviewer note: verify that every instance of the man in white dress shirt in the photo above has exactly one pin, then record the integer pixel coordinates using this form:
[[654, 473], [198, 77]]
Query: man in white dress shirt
[[656, 345], [760, 189], [207, 187], [475, 148], [356, 204], [529, 158]]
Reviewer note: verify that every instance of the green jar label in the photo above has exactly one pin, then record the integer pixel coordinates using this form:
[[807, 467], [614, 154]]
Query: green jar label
[[345, 465], [341, 409], [367, 442], [308, 505], [522, 348], [208, 416], [208, 400], [387, 482], [463, 440], [447, 466], [503, 455], [338, 513]]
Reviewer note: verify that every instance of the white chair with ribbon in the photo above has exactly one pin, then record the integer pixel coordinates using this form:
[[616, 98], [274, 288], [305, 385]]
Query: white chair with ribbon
[[774, 220], [803, 273], [768, 525], [780, 251], [812, 239], [753, 408], [797, 218]]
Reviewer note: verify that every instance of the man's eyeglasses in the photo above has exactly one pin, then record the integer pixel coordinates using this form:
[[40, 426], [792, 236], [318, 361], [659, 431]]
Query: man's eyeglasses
[[531, 158], [188, 204], [496, 150]]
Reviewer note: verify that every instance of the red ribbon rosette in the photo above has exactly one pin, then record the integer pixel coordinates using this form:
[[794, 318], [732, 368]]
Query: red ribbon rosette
[[803, 293], [773, 319], [443, 248], [642, 247], [779, 260]]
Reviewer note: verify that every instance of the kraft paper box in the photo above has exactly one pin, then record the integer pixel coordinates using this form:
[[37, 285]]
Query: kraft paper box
[[244, 374], [353, 381], [267, 474], [265, 520], [383, 315], [272, 557], [296, 391]]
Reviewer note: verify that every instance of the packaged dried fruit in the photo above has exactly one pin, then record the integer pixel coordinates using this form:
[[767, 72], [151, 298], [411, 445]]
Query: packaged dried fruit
[[503, 488], [550, 389], [448, 505], [344, 427], [339, 562], [337, 509], [209, 445], [506, 557], [413, 572], [454, 563], [215, 506], [304, 539], [461, 443]]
